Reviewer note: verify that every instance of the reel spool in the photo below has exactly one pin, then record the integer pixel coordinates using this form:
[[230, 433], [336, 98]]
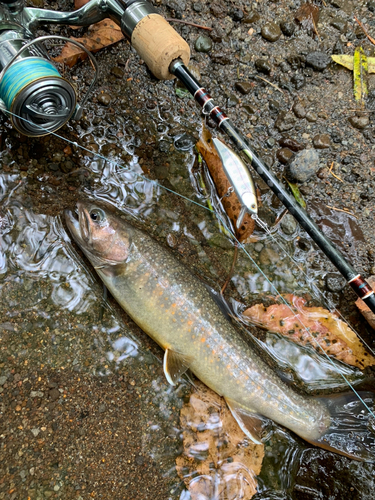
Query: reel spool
[[39, 100]]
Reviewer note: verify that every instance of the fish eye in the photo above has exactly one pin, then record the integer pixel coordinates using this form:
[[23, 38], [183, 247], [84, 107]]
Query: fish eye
[[97, 215]]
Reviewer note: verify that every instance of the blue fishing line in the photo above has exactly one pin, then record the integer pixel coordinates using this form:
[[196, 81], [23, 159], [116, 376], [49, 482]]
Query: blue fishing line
[[219, 216], [22, 73]]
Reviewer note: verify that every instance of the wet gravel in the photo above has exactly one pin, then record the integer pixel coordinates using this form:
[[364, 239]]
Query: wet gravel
[[73, 435]]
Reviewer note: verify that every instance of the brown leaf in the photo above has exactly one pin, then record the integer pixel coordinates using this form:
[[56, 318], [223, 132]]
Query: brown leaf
[[231, 203], [333, 335], [80, 3], [99, 35], [308, 16], [364, 309], [206, 423]]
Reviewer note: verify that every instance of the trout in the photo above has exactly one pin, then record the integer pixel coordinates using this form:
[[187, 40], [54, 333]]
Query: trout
[[177, 311]]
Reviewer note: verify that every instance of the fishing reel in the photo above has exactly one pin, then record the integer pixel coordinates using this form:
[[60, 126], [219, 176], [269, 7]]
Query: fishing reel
[[33, 94]]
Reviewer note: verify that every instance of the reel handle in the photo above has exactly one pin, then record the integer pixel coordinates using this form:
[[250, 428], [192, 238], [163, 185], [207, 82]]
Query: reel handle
[[158, 44]]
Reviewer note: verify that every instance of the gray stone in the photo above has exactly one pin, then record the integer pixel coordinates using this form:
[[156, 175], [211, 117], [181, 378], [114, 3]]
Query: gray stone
[[203, 44], [3, 379], [117, 72], [288, 27], [318, 60], [284, 155], [263, 66], [232, 101], [285, 121], [304, 165], [251, 17], [288, 224], [218, 9], [35, 431], [36, 394], [335, 282], [271, 32]]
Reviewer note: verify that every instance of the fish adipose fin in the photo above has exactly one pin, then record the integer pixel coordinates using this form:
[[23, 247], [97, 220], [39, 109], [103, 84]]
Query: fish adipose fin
[[255, 426], [175, 365], [351, 432]]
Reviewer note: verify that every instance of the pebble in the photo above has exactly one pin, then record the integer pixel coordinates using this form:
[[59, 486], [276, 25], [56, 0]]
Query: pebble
[[203, 44], [298, 80], [263, 66], [3, 379], [322, 141], [288, 27], [271, 32], [222, 57], [104, 99], [311, 116], [335, 282], [232, 101], [117, 72], [243, 87], [218, 9], [54, 394], [371, 5], [299, 110], [304, 165], [284, 155], [251, 17], [274, 106], [184, 142], [250, 109], [288, 142], [285, 121], [318, 60], [197, 6], [288, 224], [36, 394], [359, 122], [35, 431], [268, 256], [237, 14]]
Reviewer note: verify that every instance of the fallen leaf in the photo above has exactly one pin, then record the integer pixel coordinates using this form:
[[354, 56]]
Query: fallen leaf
[[231, 203], [80, 3], [213, 453], [360, 68], [333, 335], [348, 62], [296, 193], [99, 35], [308, 16], [364, 309]]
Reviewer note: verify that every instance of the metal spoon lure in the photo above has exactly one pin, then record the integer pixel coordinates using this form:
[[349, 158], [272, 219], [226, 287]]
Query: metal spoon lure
[[240, 178]]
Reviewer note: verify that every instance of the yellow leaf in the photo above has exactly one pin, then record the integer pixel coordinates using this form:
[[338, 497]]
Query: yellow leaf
[[360, 69]]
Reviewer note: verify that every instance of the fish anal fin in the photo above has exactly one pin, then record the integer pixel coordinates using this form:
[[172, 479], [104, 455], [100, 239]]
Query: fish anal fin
[[255, 426], [175, 365]]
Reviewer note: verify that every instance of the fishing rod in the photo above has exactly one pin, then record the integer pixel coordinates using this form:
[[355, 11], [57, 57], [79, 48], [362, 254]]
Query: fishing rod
[[166, 54]]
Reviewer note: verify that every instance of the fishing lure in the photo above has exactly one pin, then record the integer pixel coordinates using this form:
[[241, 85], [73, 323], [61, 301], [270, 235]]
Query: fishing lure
[[240, 178]]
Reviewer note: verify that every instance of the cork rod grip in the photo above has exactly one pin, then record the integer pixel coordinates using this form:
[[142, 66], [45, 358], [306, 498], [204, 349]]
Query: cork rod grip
[[158, 44]]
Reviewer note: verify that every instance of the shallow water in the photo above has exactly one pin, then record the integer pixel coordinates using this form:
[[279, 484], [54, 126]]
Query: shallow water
[[54, 318]]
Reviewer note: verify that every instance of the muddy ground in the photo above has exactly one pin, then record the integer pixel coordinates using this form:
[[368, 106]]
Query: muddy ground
[[274, 77]]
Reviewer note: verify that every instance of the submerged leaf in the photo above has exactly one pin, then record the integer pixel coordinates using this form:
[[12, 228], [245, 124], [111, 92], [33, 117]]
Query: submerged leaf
[[99, 35], [231, 203], [297, 194], [360, 67], [325, 331], [205, 465]]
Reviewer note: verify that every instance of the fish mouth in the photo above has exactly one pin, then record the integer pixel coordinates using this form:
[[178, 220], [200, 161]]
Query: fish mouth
[[77, 223]]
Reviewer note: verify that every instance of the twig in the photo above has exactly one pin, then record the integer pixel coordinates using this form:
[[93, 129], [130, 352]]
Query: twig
[[173, 20], [231, 269], [273, 85], [334, 175], [372, 40], [346, 211]]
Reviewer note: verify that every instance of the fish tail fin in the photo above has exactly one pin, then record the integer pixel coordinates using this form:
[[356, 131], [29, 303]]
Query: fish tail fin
[[352, 429]]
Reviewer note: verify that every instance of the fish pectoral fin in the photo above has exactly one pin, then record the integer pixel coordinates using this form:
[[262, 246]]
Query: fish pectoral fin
[[175, 365], [255, 426]]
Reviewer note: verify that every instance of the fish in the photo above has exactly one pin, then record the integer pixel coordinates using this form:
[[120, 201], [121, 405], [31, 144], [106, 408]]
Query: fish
[[177, 311], [240, 178]]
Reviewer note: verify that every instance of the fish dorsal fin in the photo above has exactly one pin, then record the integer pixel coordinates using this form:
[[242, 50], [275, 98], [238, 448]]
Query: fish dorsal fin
[[255, 426], [175, 364]]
